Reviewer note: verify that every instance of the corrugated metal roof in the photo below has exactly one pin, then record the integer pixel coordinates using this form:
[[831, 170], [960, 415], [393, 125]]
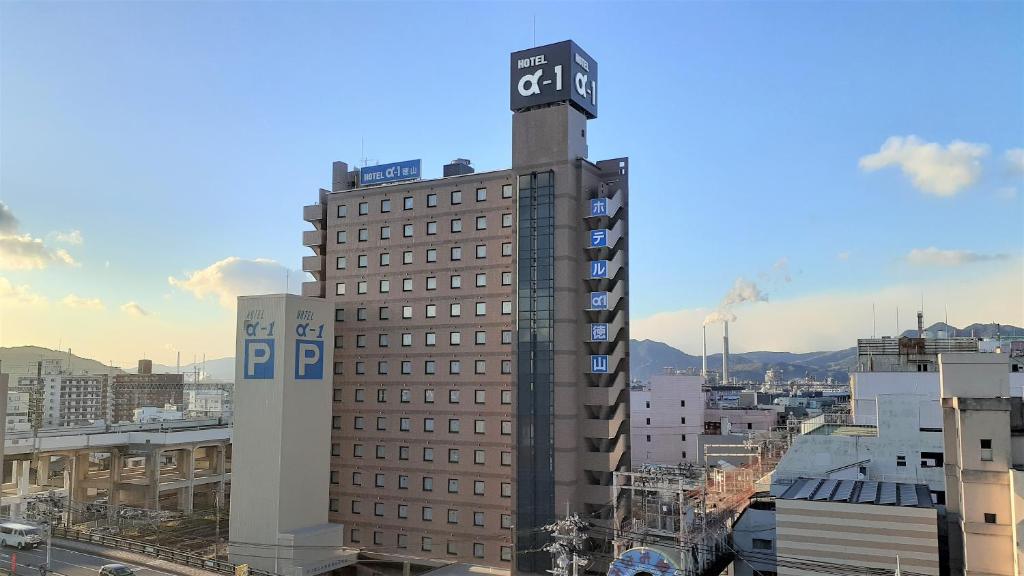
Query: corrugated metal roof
[[860, 492]]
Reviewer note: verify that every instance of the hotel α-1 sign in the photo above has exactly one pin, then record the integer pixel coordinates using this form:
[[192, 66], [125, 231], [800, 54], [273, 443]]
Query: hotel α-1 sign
[[560, 72]]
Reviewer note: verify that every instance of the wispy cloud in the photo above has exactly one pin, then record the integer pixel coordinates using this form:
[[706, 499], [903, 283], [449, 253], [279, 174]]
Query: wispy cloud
[[1015, 160], [933, 256], [844, 255], [18, 295], [134, 309], [231, 277], [74, 301], [69, 237], [933, 168], [24, 252]]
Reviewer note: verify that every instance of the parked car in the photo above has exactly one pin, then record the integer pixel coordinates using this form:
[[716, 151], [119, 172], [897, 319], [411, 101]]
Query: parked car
[[116, 570], [20, 535]]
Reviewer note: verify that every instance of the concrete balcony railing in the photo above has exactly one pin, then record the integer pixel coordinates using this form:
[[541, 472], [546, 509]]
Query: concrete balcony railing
[[314, 213], [602, 428], [314, 289], [313, 263], [602, 396], [595, 494], [313, 237], [604, 461]]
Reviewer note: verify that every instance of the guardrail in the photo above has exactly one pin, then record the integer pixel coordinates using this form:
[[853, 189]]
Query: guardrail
[[158, 552]]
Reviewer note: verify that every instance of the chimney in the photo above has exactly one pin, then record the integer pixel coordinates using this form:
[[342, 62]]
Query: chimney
[[145, 366], [725, 354], [457, 167], [920, 324], [704, 351]]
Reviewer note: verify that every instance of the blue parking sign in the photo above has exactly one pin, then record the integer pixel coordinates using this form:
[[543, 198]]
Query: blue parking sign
[[309, 359], [258, 359]]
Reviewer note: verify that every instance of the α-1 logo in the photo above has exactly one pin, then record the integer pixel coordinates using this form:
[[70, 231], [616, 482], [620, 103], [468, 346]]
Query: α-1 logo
[[258, 359], [309, 359]]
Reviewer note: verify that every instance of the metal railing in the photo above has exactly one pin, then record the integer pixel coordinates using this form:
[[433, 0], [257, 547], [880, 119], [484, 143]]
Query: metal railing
[[158, 552]]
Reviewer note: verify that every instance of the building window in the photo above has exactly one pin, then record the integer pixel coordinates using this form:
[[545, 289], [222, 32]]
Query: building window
[[431, 255], [364, 208], [453, 455], [403, 539], [428, 484], [479, 427], [385, 206], [481, 251], [506, 367], [901, 461], [506, 190], [342, 263], [378, 510], [385, 232], [385, 286], [360, 394], [428, 396], [453, 425], [407, 312], [360, 314], [986, 449], [404, 424], [456, 253], [339, 315], [406, 284], [382, 339], [990, 518], [355, 507], [407, 203], [431, 283], [456, 282], [340, 289], [431, 200], [761, 544], [455, 310], [480, 337], [353, 535], [456, 197], [361, 261], [455, 338], [361, 287], [478, 487], [428, 454], [506, 489], [430, 338], [454, 367], [406, 339], [407, 257], [479, 456], [481, 308], [506, 307], [478, 549], [428, 513], [481, 280], [453, 396], [359, 423], [480, 367], [506, 220], [452, 549], [481, 222], [431, 228], [506, 337], [385, 258], [407, 231], [428, 424], [342, 211], [506, 396], [357, 450], [456, 225], [406, 364], [403, 454], [453, 485], [506, 278], [382, 395], [426, 544], [481, 194], [431, 310], [506, 458], [364, 234], [506, 248], [430, 367]]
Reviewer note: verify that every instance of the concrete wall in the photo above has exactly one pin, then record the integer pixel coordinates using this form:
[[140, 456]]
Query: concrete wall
[[864, 535], [754, 524], [661, 414]]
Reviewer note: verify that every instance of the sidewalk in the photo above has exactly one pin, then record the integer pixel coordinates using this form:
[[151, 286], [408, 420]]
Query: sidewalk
[[132, 558]]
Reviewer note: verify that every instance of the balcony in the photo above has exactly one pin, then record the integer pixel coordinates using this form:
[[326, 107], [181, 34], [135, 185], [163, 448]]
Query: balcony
[[604, 461], [314, 214], [314, 265], [313, 238], [314, 289]]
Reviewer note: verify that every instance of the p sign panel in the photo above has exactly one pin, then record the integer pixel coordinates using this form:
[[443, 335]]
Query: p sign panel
[[309, 359], [258, 360]]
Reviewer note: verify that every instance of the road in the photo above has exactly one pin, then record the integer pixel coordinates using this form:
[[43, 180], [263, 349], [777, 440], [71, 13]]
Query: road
[[68, 562]]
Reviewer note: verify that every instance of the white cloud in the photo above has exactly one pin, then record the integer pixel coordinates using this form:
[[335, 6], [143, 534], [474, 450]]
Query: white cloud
[[933, 256], [232, 277], [22, 251], [74, 301], [1015, 158], [932, 168], [69, 237], [834, 320], [8, 223], [1007, 193], [134, 309], [18, 295]]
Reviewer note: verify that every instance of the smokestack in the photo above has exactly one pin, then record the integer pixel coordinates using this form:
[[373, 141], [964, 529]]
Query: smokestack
[[704, 351], [920, 324], [725, 354]]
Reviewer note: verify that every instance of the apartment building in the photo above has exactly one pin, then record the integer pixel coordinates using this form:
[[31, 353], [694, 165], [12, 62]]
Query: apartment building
[[59, 398], [666, 418], [983, 429], [481, 335], [144, 389]]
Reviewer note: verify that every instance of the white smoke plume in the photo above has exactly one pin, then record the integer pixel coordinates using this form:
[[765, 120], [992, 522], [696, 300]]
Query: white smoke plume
[[742, 291]]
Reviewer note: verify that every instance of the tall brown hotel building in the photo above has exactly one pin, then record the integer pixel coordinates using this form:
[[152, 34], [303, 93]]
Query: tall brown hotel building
[[481, 350]]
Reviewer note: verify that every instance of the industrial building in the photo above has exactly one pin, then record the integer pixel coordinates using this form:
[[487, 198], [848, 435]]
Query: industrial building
[[143, 390], [457, 413], [820, 523]]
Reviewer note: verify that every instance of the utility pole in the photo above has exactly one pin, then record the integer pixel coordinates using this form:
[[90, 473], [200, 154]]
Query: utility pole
[[569, 537]]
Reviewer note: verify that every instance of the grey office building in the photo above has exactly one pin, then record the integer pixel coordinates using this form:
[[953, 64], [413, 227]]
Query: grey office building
[[481, 349]]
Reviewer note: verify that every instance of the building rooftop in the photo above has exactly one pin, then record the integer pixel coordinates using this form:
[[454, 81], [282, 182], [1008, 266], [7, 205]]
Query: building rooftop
[[860, 492]]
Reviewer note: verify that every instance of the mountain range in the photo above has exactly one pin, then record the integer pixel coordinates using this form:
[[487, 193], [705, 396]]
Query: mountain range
[[647, 357]]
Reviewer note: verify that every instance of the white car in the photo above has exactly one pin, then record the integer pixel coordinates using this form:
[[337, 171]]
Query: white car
[[116, 570], [20, 535]]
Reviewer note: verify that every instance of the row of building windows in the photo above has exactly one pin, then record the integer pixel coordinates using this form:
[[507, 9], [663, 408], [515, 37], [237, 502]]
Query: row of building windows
[[455, 282], [455, 226], [427, 455], [427, 544], [454, 254], [405, 396], [429, 367], [409, 202], [405, 424], [429, 338], [454, 486], [427, 514]]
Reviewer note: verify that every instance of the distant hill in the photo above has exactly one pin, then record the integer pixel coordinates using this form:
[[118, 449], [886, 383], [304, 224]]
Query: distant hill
[[221, 369], [648, 357], [20, 360]]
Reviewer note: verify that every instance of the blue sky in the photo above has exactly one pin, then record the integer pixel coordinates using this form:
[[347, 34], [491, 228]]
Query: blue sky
[[173, 136]]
